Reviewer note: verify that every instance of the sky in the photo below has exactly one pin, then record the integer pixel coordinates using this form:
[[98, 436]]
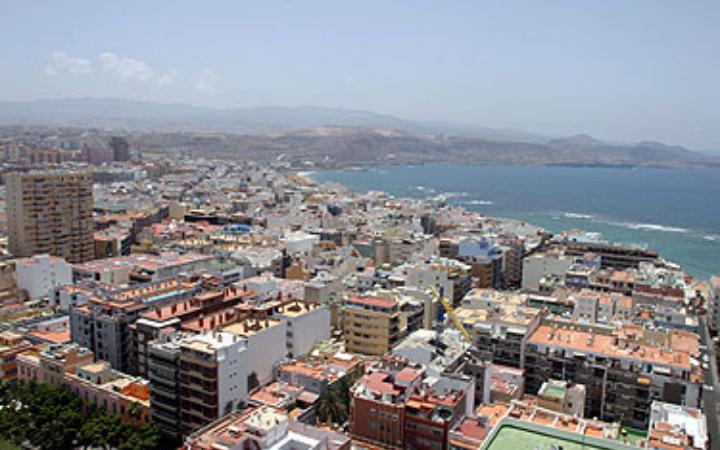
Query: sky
[[621, 70]]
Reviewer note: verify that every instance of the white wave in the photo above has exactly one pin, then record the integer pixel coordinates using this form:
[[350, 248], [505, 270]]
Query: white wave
[[307, 173], [650, 227], [712, 238], [570, 215], [454, 194], [478, 202]]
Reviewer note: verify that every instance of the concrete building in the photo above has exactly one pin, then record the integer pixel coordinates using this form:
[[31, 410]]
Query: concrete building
[[102, 320], [219, 369], [453, 277], [714, 304], [485, 259], [395, 406], [163, 373], [623, 370], [50, 364], [306, 323], [11, 345], [540, 265], [371, 325], [264, 428], [212, 306], [500, 331], [120, 149], [563, 397], [675, 427], [99, 385], [39, 275], [51, 212]]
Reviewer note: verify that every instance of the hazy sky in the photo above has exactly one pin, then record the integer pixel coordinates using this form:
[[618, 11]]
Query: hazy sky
[[622, 70]]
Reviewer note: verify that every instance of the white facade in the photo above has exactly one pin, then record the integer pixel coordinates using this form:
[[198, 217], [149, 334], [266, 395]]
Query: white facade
[[307, 329], [300, 242], [536, 267], [41, 274], [239, 356], [678, 421], [424, 276]]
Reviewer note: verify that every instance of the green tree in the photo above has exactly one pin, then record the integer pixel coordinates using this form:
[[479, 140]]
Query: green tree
[[52, 417], [334, 404]]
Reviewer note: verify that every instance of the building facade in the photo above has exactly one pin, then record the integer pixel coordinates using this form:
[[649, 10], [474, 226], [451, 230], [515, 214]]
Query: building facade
[[51, 213]]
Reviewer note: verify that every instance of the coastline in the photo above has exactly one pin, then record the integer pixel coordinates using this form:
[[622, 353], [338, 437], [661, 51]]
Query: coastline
[[689, 247]]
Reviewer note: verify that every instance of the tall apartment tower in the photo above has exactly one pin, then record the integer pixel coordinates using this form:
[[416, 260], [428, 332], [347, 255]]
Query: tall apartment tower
[[120, 148], [51, 212]]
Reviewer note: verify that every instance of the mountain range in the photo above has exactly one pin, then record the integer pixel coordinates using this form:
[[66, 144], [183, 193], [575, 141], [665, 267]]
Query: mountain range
[[340, 136]]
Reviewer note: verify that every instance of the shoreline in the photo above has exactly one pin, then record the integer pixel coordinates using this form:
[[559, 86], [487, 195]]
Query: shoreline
[[698, 272]]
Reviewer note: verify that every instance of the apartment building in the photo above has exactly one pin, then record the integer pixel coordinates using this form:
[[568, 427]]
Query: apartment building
[[152, 322], [163, 374], [500, 332], [51, 213], [39, 275], [624, 370], [219, 369], [11, 345], [675, 427], [50, 364], [120, 149], [317, 376], [541, 265], [714, 304], [99, 385], [141, 268], [611, 255], [102, 320], [371, 325], [453, 277], [306, 323], [395, 406]]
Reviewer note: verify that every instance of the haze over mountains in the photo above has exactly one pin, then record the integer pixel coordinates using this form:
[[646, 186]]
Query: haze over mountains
[[342, 136]]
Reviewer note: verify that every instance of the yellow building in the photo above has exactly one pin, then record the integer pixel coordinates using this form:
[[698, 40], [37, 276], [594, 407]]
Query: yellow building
[[372, 325]]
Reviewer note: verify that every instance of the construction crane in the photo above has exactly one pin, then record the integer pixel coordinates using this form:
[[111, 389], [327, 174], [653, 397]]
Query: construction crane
[[451, 312]]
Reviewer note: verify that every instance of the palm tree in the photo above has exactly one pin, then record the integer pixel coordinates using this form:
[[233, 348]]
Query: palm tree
[[332, 406]]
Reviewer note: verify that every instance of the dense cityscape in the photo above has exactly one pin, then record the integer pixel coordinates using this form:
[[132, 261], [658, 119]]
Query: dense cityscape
[[155, 297]]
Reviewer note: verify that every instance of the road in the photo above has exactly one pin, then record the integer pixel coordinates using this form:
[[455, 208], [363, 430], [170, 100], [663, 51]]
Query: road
[[711, 389]]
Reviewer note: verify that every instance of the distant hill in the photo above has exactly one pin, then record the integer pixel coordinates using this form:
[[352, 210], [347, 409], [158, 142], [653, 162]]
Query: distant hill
[[336, 137], [141, 115], [351, 146]]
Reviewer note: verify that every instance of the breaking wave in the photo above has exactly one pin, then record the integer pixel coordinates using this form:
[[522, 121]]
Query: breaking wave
[[650, 227], [571, 215]]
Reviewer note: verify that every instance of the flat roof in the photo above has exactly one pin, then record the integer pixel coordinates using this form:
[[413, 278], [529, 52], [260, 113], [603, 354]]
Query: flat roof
[[373, 301], [513, 436]]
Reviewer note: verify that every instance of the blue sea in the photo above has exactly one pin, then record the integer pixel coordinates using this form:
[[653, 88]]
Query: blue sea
[[674, 211]]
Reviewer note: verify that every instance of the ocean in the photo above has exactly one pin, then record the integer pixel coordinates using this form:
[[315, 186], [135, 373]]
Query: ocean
[[674, 211]]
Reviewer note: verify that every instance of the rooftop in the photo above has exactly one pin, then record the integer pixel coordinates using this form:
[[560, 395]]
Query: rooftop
[[614, 346]]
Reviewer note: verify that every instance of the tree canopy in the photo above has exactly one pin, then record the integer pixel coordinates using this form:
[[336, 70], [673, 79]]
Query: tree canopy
[[53, 418]]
